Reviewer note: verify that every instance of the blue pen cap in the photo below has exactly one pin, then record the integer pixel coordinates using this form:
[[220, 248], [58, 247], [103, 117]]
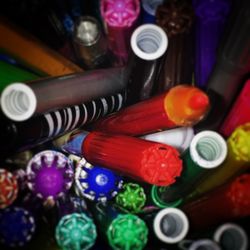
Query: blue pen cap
[[96, 183], [17, 226], [149, 8]]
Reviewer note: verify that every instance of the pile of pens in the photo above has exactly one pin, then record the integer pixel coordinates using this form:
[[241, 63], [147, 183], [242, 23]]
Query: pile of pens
[[125, 124]]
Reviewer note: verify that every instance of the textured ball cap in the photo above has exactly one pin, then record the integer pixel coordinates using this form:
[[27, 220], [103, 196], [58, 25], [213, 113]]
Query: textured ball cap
[[50, 174], [17, 227], [8, 188], [127, 231], [76, 231]]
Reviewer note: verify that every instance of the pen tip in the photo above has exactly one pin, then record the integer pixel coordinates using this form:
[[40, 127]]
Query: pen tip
[[199, 101]]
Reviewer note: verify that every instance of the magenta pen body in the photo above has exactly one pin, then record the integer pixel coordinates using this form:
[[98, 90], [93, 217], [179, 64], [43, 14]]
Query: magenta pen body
[[239, 113], [120, 18]]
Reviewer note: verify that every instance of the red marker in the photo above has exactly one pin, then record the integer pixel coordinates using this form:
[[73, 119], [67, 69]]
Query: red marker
[[151, 162], [182, 105], [240, 112], [226, 203]]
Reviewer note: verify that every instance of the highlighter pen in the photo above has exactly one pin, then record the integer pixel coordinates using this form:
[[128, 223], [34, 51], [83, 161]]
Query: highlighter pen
[[8, 188], [120, 18], [168, 225], [33, 52], [236, 162], [39, 129], [131, 198], [182, 105], [96, 183], [180, 138], [50, 175], [10, 73], [75, 228], [149, 8], [207, 151], [204, 244], [90, 44], [228, 202], [17, 226], [176, 19], [150, 162], [239, 113], [122, 231], [210, 18], [19, 101], [148, 43], [230, 69], [231, 236]]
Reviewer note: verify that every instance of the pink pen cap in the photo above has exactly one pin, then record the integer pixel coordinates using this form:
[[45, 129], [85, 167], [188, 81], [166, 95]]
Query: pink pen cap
[[120, 17], [240, 112]]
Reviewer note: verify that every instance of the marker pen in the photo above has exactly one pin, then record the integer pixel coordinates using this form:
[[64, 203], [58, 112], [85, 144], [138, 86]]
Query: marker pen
[[182, 105], [236, 162], [33, 52], [180, 138], [228, 202], [176, 19], [96, 183], [150, 162], [210, 18], [239, 113], [90, 44], [149, 8], [120, 19], [75, 228], [148, 42], [204, 244], [231, 67], [122, 231], [131, 198], [39, 129], [168, 225], [17, 226], [231, 236], [8, 188], [207, 151], [50, 175], [19, 101]]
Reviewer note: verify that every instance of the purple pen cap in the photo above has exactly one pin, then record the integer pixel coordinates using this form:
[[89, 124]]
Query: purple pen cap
[[50, 175]]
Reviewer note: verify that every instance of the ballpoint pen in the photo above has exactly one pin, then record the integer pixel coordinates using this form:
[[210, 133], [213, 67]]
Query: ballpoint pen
[[50, 175], [19, 101], [210, 19], [75, 228], [17, 226], [176, 19], [8, 188], [96, 183], [239, 113], [122, 231], [236, 162], [39, 129], [227, 202], [150, 162], [182, 105], [207, 151], [232, 66], [33, 52], [149, 9], [148, 42], [231, 236], [120, 19]]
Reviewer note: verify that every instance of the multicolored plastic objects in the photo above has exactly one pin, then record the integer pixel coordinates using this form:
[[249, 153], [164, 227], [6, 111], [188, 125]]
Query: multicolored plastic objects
[[50, 175], [17, 226], [8, 188], [96, 183]]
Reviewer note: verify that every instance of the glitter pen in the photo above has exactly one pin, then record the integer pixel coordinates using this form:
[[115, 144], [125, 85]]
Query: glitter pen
[[182, 105]]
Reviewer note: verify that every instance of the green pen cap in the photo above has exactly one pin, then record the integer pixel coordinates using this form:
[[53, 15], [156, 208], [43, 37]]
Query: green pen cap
[[127, 232], [132, 198], [76, 232]]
